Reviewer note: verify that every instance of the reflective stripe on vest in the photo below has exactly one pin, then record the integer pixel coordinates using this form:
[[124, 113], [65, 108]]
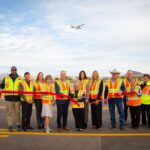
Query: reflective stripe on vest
[[146, 95], [47, 98], [80, 94], [12, 85], [94, 89], [133, 99], [114, 90], [38, 88], [83, 84], [26, 88], [64, 88]]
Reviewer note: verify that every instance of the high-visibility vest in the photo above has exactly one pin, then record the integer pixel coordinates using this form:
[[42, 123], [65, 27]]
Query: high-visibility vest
[[48, 98], [26, 88], [80, 94], [11, 85], [38, 88], [127, 84], [134, 99], [94, 89], [64, 88], [146, 95], [83, 84], [114, 90]]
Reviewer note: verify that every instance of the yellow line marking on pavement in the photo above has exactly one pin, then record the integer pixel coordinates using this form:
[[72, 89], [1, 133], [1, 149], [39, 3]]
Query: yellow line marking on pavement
[[3, 136], [80, 134]]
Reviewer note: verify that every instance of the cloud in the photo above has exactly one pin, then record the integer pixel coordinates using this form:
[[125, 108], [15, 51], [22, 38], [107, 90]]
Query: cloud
[[116, 35]]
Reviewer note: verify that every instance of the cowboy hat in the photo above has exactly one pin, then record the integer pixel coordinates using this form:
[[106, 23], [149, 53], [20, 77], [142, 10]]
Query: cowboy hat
[[115, 71]]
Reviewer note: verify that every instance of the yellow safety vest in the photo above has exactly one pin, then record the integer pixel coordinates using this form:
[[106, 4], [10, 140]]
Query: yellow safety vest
[[48, 98], [26, 88], [11, 85], [146, 94], [134, 99], [94, 89], [80, 94], [127, 84], [64, 88], [83, 84], [114, 90]]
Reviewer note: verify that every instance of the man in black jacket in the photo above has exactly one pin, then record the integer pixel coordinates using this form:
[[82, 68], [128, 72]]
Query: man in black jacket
[[11, 83]]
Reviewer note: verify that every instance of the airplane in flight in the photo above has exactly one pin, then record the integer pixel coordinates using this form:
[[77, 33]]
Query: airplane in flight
[[77, 27]]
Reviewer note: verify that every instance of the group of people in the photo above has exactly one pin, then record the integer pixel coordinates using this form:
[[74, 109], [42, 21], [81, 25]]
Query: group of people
[[123, 93]]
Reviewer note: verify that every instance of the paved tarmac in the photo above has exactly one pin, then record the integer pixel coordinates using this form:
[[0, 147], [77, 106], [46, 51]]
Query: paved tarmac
[[89, 139]]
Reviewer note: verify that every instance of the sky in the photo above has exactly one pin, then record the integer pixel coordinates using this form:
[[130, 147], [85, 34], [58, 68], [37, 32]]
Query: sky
[[35, 35]]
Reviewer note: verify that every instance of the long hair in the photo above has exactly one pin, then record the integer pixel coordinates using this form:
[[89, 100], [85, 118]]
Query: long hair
[[96, 73], [82, 71], [37, 79]]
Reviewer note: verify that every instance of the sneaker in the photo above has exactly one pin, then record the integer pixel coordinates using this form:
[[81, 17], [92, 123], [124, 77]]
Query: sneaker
[[47, 131], [10, 129], [24, 129], [112, 127]]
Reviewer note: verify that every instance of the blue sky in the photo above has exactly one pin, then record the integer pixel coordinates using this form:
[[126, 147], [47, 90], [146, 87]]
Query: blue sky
[[35, 35]]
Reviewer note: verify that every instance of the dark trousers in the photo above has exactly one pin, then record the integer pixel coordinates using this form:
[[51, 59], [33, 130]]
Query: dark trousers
[[135, 116], [38, 105], [62, 112], [96, 114], [145, 111], [79, 117], [26, 114], [125, 108], [118, 102]]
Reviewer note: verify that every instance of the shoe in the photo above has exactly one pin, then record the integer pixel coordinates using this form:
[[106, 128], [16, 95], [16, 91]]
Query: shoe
[[80, 129], [29, 128], [18, 128], [47, 131], [24, 129], [66, 129], [10, 129], [60, 130], [121, 128], [98, 128], [112, 127], [85, 125], [39, 127]]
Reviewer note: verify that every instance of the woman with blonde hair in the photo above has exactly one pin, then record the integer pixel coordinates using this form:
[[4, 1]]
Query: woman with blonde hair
[[96, 91], [47, 101]]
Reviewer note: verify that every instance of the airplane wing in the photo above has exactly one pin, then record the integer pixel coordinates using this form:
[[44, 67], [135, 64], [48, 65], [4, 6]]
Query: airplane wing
[[80, 25]]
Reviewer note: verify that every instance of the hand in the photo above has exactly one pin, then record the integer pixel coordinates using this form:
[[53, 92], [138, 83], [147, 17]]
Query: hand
[[86, 101], [97, 102], [29, 102], [106, 101]]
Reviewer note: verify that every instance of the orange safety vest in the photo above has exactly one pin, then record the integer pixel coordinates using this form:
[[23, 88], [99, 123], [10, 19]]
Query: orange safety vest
[[38, 88], [64, 89], [114, 90], [48, 98], [94, 89], [134, 99]]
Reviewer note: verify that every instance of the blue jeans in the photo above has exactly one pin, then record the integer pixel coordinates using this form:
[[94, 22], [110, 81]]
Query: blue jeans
[[119, 103]]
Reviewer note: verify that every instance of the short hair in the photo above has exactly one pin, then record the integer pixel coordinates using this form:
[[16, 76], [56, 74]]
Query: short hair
[[26, 73], [146, 75], [82, 71], [48, 77]]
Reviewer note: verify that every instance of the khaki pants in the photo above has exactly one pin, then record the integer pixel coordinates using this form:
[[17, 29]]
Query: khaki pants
[[13, 107]]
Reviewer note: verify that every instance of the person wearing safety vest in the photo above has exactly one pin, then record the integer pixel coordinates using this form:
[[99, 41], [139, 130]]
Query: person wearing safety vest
[[134, 102], [11, 83], [78, 111], [38, 86], [84, 85], [145, 106], [47, 102], [113, 93], [62, 87], [26, 100], [96, 91], [127, 80]]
